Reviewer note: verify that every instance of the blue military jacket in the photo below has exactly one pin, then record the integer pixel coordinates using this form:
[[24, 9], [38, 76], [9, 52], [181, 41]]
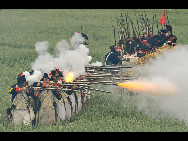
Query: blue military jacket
[[111, 58], [14, 91], [35, 95]]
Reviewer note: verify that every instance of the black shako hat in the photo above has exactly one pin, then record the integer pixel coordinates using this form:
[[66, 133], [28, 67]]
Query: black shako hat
[[164, 30], [31, 72], [21, 80], [169, 28], [57, 73], [85, 36], [46, 76]]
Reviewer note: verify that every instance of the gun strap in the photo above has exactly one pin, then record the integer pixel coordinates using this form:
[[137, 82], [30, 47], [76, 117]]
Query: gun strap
[[25, 99]]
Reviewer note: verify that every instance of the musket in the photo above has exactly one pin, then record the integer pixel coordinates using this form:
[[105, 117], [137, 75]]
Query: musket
[[91, 71], [124, 37], [117, 78], [107, 67], [157, 27], [136, 32], [152, 25], [105, 75], [69, 84], [167, 19], [134, 35], [53, 88], [100, 90], [128, 30], [110, 84], [79, 83], [141, 24], [114, 35]]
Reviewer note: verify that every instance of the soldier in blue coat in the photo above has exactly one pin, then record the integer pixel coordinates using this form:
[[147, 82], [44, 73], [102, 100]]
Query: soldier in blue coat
[[21, 108], [112, 58], [46, 101]]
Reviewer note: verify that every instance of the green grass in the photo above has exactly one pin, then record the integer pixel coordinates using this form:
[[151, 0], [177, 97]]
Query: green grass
[[102, 113], [21, 29]]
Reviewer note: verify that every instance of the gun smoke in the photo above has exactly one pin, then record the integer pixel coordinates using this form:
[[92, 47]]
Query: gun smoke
[[68, 58], [35, 77], [169, 71]]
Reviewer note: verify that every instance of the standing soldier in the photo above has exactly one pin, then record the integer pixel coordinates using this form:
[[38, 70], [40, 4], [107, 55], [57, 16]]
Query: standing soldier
[[46, 103], [21, 109], [86, 37], [172, 38], [56, 74]]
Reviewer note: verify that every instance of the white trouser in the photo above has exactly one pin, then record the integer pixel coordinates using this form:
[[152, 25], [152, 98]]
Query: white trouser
[[21, 115], [72, 98], [67, 111], [88, 96], [60, 112], [79, 103]]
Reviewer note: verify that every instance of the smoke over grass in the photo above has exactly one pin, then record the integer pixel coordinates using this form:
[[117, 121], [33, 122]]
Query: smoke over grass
[[167, 70]]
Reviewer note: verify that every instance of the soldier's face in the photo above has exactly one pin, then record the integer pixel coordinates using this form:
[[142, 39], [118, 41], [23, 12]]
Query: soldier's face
[[46, 82], [23, 85]]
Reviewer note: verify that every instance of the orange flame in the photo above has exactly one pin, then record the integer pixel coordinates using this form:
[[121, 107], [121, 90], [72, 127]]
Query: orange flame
[[69, 77], [149, 88]]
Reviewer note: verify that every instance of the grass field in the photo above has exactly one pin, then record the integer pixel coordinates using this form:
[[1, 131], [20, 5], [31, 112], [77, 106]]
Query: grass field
[[21, 29]]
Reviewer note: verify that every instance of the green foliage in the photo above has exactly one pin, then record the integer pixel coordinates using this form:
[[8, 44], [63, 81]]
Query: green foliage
[[21, 29]]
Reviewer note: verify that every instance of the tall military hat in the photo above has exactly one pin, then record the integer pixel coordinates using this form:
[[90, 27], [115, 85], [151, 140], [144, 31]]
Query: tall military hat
[[113, 48], [31, 72], [85, 36], [169, 28], [21, 79], [47, 76], [137, 40], [164, 30], [57, 73], [120, 42], [129, 46]]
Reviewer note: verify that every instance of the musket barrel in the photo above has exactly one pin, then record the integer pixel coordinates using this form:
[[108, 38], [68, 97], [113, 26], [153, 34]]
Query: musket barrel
[[56, 88]]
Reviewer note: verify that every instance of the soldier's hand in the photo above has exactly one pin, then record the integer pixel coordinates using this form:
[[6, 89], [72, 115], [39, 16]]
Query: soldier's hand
[[89, 73], [23, 89], [82, 77], [75, 87]]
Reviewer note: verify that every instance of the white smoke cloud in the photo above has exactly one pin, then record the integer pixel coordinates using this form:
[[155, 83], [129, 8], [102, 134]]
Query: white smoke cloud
[[171, 67], [96, 64], [41, 47], [35, 77], [76, 39], [65, 59], [62, 46]]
